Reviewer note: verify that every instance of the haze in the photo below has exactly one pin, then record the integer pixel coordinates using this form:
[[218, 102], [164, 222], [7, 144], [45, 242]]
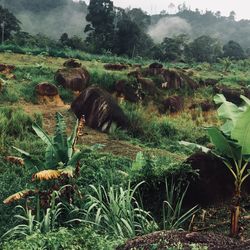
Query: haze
[[241, 7]]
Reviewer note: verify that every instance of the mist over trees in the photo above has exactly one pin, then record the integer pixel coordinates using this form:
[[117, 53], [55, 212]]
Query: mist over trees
[[103, 28]]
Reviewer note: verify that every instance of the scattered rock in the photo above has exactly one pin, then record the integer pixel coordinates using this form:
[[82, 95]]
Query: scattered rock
[[214, 184], [173, 104], [231, 94], [204, 105], [72, 63], [99, 108], [130, 93], [209, 82], [76, 79], [176, 79], [156, 65], [118, 67], [47, 94], [7, 70], [46, 89]]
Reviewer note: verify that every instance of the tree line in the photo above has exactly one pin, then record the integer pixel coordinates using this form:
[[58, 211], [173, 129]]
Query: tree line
[[123, 32]]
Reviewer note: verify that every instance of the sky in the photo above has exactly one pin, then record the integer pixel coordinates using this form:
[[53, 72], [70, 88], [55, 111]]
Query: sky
[[241, 7]]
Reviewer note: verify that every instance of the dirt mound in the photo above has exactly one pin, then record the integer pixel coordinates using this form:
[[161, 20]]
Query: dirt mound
[[99, 108], [173, 104], [167, 239], [72, 63], [117, 67], [76, 79]]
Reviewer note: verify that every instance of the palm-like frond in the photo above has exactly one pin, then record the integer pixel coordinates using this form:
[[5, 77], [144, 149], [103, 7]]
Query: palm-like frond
[[18, 196], [46, 175]]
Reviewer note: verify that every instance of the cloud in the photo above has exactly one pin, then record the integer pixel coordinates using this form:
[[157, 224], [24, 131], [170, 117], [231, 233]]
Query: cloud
[[169, 27], [55, 22]]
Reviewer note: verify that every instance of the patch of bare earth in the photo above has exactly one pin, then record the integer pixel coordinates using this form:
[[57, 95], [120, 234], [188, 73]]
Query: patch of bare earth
[[184, 240]]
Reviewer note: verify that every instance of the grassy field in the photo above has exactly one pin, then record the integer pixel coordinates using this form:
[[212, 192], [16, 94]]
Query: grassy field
[[117, 162]]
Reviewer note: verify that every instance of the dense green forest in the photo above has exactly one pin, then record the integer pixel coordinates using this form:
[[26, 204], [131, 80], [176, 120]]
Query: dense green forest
[[131, 32]]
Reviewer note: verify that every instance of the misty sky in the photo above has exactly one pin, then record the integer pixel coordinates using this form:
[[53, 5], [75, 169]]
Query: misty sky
[[241, 7]]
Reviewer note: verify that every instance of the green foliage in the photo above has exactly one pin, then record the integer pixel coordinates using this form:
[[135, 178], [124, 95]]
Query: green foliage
[[173, 215], [10, 22], [204, 48], [83, 238], [233, 50], [101, 28], [116, 211]]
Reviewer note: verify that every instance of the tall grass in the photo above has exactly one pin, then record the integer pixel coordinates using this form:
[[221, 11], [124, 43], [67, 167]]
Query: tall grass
[[116, 211]]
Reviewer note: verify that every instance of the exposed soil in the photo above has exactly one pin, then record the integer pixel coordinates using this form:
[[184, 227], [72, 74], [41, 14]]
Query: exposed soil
[[184, 240]]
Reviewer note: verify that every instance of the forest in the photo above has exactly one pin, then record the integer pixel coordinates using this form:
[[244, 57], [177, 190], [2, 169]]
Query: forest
[[122, 130]]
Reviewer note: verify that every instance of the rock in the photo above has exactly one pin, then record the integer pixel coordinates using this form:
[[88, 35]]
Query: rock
[[155, 65], [134, 73], [130, 93], [47, 94], [72, 63], [176, 79], [76, 79], [154, 69], [7, 71], [173, 104], [46, 89], [231, 94], [99, 108], [211, 82], [148, 86], [204, 105], [115, 67], [214, 184]]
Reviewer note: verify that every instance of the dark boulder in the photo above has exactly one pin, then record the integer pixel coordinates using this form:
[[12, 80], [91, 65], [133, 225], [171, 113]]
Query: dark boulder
[[154, 69], [72, 63], [117, 67], [155, 65], [176, 79], [46, 89], [204, 105], [76, 79], [127, 90], [148, 86], [173, 104], [231, 94], [214, 184], [99, 108]]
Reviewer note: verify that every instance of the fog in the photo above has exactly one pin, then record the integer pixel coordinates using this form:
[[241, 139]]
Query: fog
[[169, 27], [54, 23]]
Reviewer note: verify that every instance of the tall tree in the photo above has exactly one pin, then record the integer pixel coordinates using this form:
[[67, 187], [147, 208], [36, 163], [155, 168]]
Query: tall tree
[[101, 24], [204, 49], [233, 50], [9, 23]]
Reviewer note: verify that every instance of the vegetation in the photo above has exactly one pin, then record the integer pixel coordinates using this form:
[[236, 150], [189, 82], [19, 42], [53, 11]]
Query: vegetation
[[67, 186]]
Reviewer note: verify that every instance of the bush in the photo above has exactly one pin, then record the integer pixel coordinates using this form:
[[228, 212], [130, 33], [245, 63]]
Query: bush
[[75, 239]]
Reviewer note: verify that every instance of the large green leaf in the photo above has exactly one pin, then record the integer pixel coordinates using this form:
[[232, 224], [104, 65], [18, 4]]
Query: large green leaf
[[241, 132], [71, 140], [60, 139], [224, 145], [228, 112], [39, 131]]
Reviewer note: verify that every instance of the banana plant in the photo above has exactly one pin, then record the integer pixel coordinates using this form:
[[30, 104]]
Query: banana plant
[[232, 146], [61, 161]]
